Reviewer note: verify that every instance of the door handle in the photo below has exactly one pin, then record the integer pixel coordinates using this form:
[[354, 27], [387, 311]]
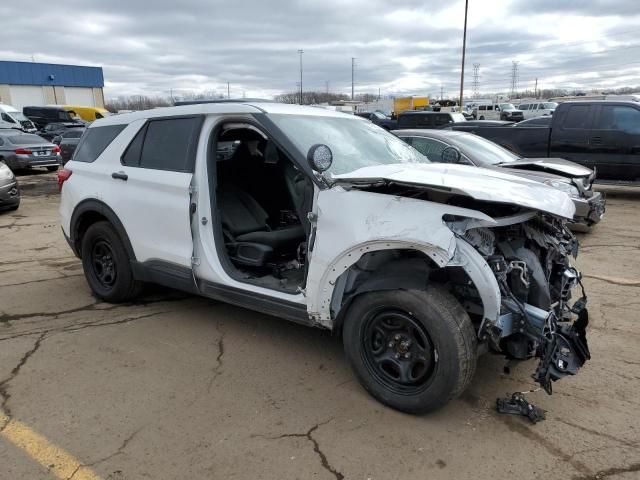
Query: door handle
[[120, 176]]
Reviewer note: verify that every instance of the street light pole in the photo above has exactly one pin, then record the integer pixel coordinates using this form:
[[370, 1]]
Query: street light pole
[[464, 47], [353, 67], [300, 52]]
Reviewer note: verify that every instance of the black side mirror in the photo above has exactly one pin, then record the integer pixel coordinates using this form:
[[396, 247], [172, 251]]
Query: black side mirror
[[451, 155], [320, 157]]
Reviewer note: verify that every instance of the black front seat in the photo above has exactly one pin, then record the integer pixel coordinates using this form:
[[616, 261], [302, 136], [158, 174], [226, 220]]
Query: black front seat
[[249, 238]]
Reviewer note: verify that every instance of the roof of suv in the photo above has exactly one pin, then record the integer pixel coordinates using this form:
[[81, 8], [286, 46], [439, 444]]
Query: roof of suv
[[226, 107]]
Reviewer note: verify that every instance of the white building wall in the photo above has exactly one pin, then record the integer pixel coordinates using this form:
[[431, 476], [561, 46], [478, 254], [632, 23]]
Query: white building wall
[[22, 95]]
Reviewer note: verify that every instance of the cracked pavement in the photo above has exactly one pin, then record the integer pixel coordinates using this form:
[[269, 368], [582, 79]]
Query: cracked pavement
[[176, 386]]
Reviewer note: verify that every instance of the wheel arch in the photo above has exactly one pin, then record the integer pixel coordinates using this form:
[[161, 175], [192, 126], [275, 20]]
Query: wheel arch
[[89, 212], [405, 267]]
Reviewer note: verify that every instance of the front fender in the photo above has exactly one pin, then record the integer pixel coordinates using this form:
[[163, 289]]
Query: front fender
[[352, 223]]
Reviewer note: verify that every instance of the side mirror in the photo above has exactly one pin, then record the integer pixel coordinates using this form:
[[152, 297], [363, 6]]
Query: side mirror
[[320, 157], [451, 155]]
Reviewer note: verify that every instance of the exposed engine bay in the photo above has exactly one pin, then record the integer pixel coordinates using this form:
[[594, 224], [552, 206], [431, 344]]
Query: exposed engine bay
[[531, 261], [529, 252]]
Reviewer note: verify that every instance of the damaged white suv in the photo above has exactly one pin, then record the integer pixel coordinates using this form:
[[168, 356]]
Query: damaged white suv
[[325, 219]]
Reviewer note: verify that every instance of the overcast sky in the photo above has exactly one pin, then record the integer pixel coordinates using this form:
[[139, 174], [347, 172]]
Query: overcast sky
[[402, 46]]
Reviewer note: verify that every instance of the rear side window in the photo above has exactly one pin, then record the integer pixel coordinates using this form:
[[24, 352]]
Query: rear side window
[[577, 117], [626, 119], [94, 141], [164, 144], [443, 119]]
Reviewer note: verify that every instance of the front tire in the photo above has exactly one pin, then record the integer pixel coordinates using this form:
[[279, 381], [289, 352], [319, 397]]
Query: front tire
[[107, 265], [413, 350]]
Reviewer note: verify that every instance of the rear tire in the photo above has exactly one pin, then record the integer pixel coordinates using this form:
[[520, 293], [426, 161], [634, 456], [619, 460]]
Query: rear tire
[[106, 264], [413, 350]]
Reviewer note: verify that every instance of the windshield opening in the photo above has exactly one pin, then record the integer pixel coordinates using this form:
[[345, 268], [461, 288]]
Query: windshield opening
[[478, 147], [507, 106], [355, 144]]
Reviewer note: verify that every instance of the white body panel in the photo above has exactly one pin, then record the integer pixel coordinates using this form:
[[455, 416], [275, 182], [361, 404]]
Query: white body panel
[[481, 184], [352, 223], [153, 205]]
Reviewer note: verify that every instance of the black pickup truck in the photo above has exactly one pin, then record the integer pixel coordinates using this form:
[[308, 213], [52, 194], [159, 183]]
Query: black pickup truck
[[602, 135]]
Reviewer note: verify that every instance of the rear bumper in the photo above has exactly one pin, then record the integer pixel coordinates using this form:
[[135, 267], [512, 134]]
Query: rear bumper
[[589, 211], [30, 161], [9, 196]]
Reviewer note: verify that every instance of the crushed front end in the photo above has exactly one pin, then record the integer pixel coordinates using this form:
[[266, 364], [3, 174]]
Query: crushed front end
[[530, 256]]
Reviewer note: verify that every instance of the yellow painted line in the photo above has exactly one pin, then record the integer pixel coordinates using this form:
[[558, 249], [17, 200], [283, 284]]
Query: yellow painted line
[[54, 459]]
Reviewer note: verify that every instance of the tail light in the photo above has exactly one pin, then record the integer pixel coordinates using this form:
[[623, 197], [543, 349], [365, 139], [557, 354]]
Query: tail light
[[63, 176], [23, 151], [55, 149]]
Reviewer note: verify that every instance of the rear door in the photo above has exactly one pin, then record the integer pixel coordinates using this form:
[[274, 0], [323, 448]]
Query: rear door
[[149, 188], [614, 142], [571, 128]]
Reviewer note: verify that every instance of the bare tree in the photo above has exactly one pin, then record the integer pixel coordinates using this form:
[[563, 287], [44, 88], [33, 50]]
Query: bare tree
[[310, 98]]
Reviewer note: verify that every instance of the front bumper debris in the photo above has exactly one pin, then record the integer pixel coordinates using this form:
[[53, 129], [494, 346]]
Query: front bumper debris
[[589, 211]]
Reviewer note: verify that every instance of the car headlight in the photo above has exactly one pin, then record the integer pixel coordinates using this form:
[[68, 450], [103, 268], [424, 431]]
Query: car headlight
[[565, 187], [5, 172]]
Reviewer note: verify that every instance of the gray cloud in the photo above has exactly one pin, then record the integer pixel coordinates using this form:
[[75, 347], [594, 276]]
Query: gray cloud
[[402, 47]]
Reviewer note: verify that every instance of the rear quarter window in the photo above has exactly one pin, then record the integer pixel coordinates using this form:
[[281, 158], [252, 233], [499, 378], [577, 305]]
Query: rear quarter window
[[94, 141]]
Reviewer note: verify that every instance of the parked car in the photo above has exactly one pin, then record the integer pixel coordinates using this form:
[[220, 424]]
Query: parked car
[[26, 150], [537, 109], [42, 116], [327, 220], [11, 117], [68, 141], [602, 135], [56, 129], [478, 123], [87, 114], [461, 147], [534, 122], [380, 119], [419, 119], [9, 190], [497, 111]]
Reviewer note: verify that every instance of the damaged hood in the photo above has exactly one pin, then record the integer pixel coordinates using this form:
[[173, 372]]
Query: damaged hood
[[559, 166], [480, 184]]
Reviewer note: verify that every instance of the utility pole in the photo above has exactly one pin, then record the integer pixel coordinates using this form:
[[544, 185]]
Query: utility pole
[[353, 70], [327, 87], [535, 89], [441, 93], [476, 78], [514, 79], [464, 48], [228, 90], [378, 94], [300, 52]]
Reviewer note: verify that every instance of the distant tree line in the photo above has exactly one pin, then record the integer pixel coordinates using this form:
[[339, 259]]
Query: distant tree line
[[143, 102]]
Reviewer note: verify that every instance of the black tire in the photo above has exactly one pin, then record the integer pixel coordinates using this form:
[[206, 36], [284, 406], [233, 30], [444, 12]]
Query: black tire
[[107, 265], [52, 169], [436, 320], [482, 117]]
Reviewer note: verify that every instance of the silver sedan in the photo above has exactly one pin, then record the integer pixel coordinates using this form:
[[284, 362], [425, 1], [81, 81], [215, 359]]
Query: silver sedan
[[25, 150]]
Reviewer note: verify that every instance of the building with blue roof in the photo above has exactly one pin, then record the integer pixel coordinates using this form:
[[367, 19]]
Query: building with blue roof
[[35, 84]]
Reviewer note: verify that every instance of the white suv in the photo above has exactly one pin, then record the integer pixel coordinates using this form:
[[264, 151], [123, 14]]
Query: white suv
[[327, 220]]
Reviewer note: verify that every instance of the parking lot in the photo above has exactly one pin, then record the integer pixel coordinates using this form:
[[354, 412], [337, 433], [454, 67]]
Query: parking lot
[[176, 386]]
